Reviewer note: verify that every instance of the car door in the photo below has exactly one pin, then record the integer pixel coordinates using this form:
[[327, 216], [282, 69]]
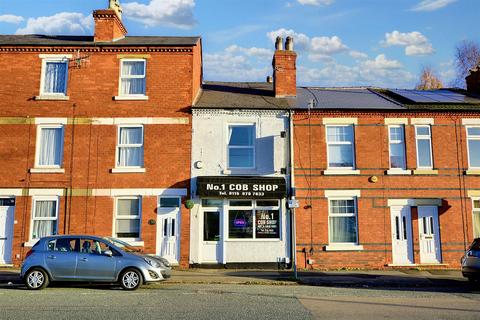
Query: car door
[[61, 258], [92, 262]]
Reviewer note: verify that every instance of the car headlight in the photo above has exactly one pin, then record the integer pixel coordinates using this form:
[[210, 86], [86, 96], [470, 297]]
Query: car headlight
[[151, 262], [165, 262]]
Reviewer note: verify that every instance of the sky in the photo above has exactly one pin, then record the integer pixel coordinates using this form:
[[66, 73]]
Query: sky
[[383, 43]]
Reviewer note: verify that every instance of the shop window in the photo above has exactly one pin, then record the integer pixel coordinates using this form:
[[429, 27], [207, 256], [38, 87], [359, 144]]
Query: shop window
[[423, 138], [340, 147], [254, 219], [476, 218], [44, 217], [240, 224], [241, 146], [397, 147], [127, 220], [130, 147], [473, 146], [343, 227], [211, 226], [133, 77]]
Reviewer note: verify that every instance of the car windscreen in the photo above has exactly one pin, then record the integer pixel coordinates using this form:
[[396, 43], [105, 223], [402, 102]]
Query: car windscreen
[[122, 245]]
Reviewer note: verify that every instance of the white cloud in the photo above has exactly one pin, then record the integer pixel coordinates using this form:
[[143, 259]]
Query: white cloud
[[381, 63], [252, 52], [327, 45], [173, 13], [60, 23], [358, 55], [316, 2], [432, 5], [10, 18], [415, 43]]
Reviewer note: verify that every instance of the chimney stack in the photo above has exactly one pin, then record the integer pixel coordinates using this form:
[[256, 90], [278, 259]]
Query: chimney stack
[[284, 69], [473, 80], [108, 23]]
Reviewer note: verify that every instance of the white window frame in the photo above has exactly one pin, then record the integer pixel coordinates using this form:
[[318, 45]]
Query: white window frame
[[390, 142], [355, 203], [35, 199], [469, 137], [131, 217], [474, 210], [144, 76], [133, 145], [424, 137], [252, 147], [328, 143], [38, 141], [56, 59]]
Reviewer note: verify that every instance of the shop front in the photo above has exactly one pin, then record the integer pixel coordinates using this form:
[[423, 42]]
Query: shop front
[[240, 219]]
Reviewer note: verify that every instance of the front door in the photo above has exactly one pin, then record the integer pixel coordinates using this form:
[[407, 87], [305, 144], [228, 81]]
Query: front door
[[6, 234], [168, 230], [402, 249], [211, 237], [429, 235]]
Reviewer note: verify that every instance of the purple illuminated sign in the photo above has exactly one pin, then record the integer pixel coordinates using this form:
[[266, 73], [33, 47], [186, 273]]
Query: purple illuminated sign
[[240, 222]]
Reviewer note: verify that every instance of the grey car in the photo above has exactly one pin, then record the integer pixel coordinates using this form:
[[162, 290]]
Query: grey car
[[88, 258], [471, 261]]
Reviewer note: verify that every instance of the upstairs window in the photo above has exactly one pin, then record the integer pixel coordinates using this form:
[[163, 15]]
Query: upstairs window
[[340, 147], [241, 146], [50, 146], [473, 145], [423, 137], [132, 77], [397, 147], [130, 147], [54, 76]]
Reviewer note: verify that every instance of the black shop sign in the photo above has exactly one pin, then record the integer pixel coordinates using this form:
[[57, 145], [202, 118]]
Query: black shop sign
[[241, 187]]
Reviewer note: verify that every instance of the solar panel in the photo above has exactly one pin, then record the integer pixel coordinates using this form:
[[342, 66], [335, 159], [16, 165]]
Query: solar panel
[[431, 96]]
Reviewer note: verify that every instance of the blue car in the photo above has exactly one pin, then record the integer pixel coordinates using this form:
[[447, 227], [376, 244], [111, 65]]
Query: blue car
[[90, 259]]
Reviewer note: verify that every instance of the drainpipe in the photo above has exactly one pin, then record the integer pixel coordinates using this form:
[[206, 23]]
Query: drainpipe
[[292, 196]]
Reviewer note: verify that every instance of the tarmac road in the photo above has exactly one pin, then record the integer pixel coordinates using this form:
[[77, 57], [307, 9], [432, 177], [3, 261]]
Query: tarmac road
[[228, 301]]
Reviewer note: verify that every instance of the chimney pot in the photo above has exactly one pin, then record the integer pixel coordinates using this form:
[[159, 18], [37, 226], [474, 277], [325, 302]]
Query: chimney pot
[[269, 79], [289, 44], [279, 43]]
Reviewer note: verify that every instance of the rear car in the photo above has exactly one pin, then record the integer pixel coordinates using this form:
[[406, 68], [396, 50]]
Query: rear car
[[87, 259], [471, 261]]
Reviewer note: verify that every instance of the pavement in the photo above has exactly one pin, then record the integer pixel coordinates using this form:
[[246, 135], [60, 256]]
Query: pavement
[[401, 278]]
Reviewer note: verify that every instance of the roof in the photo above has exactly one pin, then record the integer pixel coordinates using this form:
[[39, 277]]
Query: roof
[[53, 40], [344, 98], [240, 95]]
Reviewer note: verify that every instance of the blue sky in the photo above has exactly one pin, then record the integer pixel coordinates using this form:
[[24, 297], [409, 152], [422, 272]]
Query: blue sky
[[339, 42]]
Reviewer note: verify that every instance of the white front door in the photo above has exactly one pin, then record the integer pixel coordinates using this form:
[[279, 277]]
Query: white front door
[[212, 236], [402, 249], [168, 229], [429, 235], [6, 234]]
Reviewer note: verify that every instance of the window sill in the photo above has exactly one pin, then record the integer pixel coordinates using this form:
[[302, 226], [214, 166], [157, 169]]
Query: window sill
[[474, 172], [128, 170], [47, 170], [425, 172], [127, 98], [344, 247], [330, 172], [399, 172], [30, 243], [52, 97]]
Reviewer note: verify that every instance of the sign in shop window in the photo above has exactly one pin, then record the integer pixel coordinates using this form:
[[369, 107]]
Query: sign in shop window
[[240, 223], [267, 224]]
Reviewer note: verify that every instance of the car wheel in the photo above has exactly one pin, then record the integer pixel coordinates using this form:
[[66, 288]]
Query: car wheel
[[131, 279], [36, 279]]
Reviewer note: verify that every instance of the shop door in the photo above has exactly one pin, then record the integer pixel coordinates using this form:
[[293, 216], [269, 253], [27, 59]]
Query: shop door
[[211, 237], [6, 234], [429, 235], [402, 249], [168, 230]]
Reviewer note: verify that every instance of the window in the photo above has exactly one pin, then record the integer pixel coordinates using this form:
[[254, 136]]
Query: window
[[132, 77], [241, 146], [54, 76], [63, 245], [127, 221], [211, 226], [167, 202], [130, 147], [476, 218], [397, 147], [423, 137], [254, 220], [473, 144], [340, 147], [95, 247], [50, 146], [343, 221], [44, 217]]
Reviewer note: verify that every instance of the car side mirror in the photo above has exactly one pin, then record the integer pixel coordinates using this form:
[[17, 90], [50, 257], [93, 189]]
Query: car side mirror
[[108, 253]]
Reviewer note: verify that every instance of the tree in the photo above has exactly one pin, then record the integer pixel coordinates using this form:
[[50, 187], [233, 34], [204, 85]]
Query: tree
[[467, 56], [429, 80]]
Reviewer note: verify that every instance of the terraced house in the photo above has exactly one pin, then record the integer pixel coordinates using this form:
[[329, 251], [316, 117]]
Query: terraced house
[[95, 137]]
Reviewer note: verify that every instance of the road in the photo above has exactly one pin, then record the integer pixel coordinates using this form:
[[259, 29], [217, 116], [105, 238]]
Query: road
[[176, 301]]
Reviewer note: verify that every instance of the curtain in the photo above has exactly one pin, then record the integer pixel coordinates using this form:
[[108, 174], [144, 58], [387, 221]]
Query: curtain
[[50, 147], [55, 77], [131, 156], [133, 85], [476, 224], [343, 229], [42, 228], [127, 207]]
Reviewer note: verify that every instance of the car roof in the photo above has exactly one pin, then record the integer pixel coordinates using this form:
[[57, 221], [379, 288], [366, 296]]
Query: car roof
[[72, 236]]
